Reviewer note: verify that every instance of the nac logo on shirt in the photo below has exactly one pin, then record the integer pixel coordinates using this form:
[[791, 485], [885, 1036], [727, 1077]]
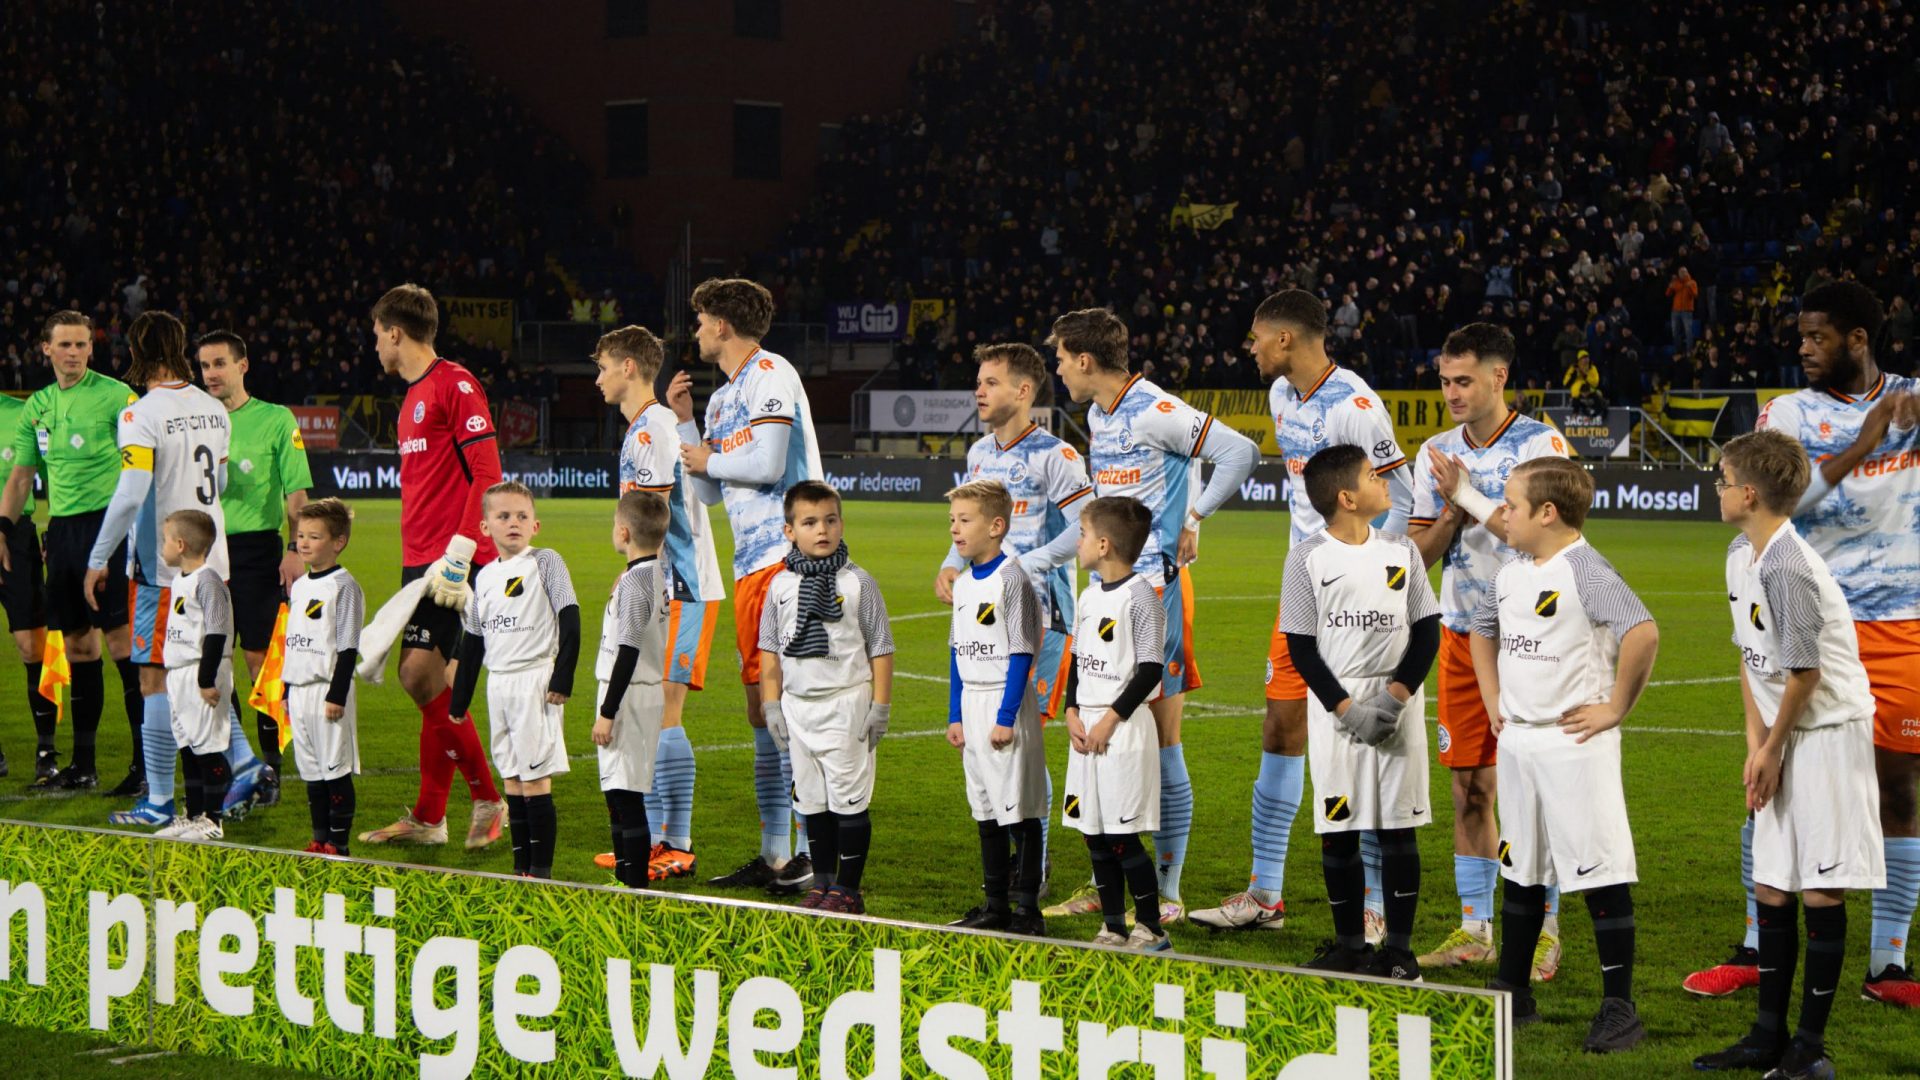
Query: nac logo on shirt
[[1753, 616], [515, 586], [984, 614], [315, 608], [1337, 808], [1106, 629], [179, 605], [1396, 578], [1548, 604]]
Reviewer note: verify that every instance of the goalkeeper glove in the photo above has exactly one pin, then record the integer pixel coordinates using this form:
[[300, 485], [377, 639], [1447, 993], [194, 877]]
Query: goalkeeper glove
[[776, 720], [447, 578], [876, 726]]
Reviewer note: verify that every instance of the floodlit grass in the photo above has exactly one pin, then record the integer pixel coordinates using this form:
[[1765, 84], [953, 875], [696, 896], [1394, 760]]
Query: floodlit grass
[[1682, 761]]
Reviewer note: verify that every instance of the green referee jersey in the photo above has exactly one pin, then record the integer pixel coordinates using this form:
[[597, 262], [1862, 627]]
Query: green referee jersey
[[266, 459], [11, 410], [73, 433]]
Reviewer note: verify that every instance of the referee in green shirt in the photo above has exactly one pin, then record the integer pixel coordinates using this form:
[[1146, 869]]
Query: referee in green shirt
[[70, 428], [23, 595], [267, 482]]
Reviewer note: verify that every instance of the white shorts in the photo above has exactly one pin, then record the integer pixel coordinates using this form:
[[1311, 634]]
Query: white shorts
[[1007, 784], [626, 764], [1563, 813], [198, 726], [525, 734], [323, 749], [1119, 791], [1358, 787], [832, 768], [1822, 830]]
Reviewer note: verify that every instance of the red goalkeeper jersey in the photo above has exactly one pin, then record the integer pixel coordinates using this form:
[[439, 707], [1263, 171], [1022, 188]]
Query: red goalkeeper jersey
[[448, 459]]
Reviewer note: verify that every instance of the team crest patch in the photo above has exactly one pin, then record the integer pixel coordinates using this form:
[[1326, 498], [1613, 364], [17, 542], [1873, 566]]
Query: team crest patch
[[1072, 806], [315, 608], [1396, 578], [180, 605], [984, 615], [1269, 677], [1446, 738], [1753, 616], [419, 411], [1106, 629], [1337, 808], [1548, 604], [246, 465], [1506, 854], [515, 586]]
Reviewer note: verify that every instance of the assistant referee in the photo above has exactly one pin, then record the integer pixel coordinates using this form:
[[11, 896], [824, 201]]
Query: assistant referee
[[267, 482]]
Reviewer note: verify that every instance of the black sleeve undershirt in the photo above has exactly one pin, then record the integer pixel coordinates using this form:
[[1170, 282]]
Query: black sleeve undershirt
[[624, 661], [342, 680], [568, 656], [213, 649], [473, 651], [1146, 676], [1305, 650], [1423, 644]]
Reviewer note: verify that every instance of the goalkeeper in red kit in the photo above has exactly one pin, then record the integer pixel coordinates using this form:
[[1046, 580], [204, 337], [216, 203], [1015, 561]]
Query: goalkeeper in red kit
[[448, 459]]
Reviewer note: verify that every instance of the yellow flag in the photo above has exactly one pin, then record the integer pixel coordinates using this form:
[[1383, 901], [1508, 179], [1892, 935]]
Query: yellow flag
[[269, 694], [1208, 216], [55, 673]]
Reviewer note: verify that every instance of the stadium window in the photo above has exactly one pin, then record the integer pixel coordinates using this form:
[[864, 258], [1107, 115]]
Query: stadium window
[[626, 18], [756, 141], [626, 138], [756, 19]]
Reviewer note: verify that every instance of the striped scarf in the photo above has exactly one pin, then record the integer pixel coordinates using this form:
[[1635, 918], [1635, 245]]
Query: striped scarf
[[819, 601]]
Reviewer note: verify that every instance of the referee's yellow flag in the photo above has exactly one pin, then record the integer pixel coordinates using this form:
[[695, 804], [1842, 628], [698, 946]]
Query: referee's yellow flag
[[55, 672], [269, 694]]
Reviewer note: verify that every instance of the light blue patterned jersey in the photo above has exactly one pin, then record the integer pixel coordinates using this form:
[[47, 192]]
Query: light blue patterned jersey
[[765, 390], [1340, 410], [1868, 528], [1476, 555], [650, 461], [1146, 443], [1048, 481]]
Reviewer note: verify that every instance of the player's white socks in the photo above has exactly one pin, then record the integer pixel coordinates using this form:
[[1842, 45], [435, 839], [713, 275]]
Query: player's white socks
[[1893, 906], [1276, 801], [1176, 819]]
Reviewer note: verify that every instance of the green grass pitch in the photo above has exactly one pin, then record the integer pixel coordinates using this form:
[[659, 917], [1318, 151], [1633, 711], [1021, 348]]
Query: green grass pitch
[[1682, 759]]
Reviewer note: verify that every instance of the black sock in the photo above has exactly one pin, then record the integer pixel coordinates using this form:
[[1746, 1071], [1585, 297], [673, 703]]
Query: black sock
[[1779, 951], [634, 836], [45, 713], [856, 839], [317, 800], [1613, 933], [1143, 881], [216, 776], [517, 826], [543, 829], [1027, 855], [1522, 913], [136, 705], [616, 829], [994, 863], [264, 727], [193, 782], [86, 696], [1104, 853], [1400, 880], [1346, 878], [1826, 949], [340, 808], [823, 846]]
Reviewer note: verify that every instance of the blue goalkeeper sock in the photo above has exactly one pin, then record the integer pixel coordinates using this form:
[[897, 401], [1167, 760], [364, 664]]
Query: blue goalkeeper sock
[[673, 781], [1893, 906], [1370, 869], [1474, 879], [156, 743], [772, 779], [1276, 801], [1752, 940], [1046, 821], [1553, 901], [1176, 819]]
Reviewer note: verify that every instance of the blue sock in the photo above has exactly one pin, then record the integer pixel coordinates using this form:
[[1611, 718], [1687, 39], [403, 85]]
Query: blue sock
[[1276, 801], [772, 779], [1176, 819], [1474, 879], [1752, 940], [1893, 905], [156, 743], [1553, 901], [240, 755], [673, 773], [1370, 869], [800, 845], [656, 810], [1046, 822]]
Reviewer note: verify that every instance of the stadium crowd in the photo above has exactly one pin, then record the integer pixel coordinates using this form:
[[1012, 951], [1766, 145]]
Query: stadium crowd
[[261, 167], [1541, 165]]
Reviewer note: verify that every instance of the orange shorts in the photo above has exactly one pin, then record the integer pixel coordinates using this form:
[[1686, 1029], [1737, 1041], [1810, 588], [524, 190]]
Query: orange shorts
[[1466, 734], [1181, 672], [749, 597], [1890, 651], [690, 626], [1283, 679]]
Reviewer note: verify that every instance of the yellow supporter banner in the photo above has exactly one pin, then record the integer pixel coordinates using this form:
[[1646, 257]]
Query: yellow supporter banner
[[1418, 415], [1201, 217], [480, 320], [925, 311]]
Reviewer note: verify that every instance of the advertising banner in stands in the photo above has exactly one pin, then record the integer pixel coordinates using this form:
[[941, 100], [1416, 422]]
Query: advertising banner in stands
[[518, 422], [347, 967], [480, 319], [934, 412], [319, 425], [1629, 491], [858, 320], [1594, 434]]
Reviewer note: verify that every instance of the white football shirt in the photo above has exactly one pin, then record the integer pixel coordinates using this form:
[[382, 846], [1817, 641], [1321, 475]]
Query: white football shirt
[[993, 618], [1359, 600], [199, 604], [513, 608], [181, 433], [324, 614], [1120, 624], [861, 632], [636, 616], [1789, 614], [1558, 624]]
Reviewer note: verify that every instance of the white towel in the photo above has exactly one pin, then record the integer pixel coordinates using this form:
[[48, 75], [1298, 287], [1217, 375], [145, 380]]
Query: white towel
[[377, 639]]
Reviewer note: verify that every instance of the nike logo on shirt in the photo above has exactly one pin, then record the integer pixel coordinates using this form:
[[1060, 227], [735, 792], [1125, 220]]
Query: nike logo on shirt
[[1827, 869], [1585, 870], [1124, 820], [1324, 582]]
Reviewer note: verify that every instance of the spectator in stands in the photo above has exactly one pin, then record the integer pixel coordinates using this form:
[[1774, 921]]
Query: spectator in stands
[[1682, 291], [1582, 382]]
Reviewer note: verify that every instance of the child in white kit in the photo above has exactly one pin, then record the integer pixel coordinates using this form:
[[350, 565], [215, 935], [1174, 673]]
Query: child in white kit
[[524, 626], [198, 655], [629, 666], [325, 608]]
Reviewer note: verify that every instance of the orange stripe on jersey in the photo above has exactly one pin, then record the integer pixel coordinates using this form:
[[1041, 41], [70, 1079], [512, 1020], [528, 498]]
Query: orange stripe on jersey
[[1031, 428], [1201, 440], [1501, 430], [1122, 395], [1385, 469], [1878, 386], [1421, 521], [757, 421], [1318, 383], [1075, 497]]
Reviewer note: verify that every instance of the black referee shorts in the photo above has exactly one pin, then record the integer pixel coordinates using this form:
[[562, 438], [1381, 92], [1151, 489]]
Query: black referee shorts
[[23, 590], [430, 626], [255, 584], [69, 541]]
